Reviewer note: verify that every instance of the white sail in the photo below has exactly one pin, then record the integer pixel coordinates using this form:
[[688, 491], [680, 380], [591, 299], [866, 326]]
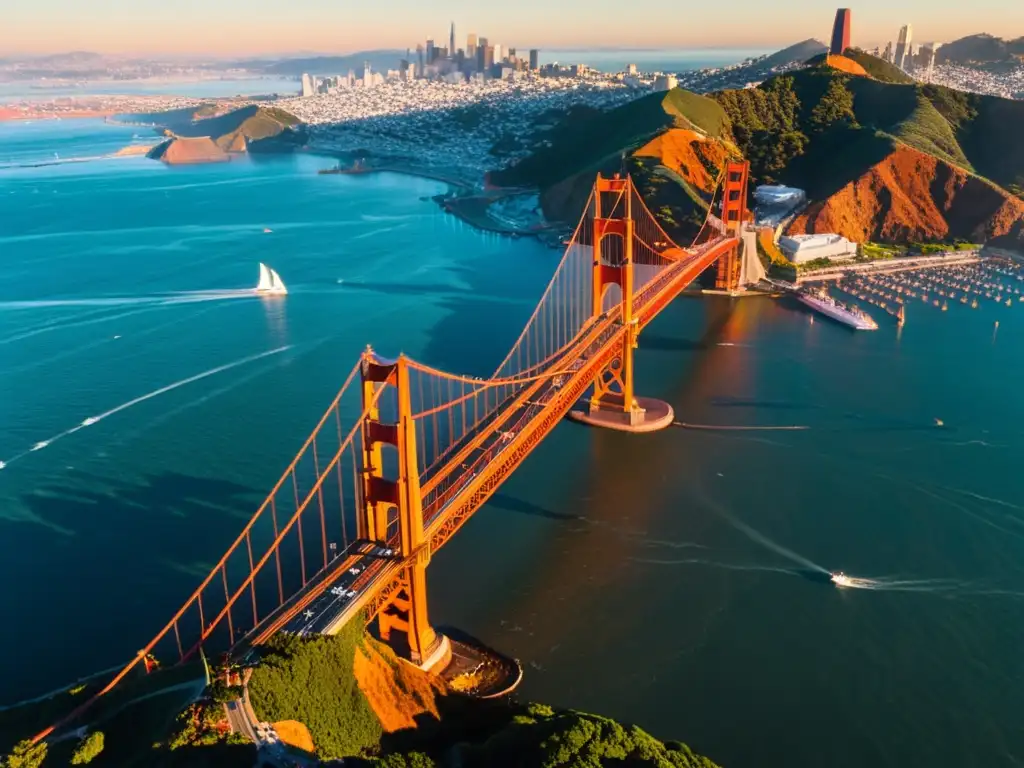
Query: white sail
[[277, 282], [266, 282]]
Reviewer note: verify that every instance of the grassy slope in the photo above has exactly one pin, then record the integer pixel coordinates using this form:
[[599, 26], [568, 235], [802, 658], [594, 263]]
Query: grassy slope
[[877, 68], [586, 141]]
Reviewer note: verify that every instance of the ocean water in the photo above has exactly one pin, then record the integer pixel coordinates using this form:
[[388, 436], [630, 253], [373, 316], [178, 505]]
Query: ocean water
[[674, 580], [45, 91], [651, 60]]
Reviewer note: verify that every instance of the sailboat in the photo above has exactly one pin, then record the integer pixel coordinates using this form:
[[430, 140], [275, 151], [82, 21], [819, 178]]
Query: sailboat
[[270, 282]]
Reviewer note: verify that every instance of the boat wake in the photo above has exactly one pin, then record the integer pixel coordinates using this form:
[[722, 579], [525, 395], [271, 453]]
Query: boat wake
[[143, 398]]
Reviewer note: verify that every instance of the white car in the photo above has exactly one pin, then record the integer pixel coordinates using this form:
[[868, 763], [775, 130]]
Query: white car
[[355, 570]]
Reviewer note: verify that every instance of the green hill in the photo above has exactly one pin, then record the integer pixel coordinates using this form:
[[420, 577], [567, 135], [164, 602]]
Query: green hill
[[587, 139], [879, 69], [800, 114], [252, 122]]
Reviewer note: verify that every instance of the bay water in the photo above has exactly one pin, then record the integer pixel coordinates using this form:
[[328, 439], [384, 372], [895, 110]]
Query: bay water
[[675, 580]]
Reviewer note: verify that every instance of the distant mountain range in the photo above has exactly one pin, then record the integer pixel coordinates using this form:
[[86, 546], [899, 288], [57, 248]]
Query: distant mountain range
[[379, 60], [982, 49]]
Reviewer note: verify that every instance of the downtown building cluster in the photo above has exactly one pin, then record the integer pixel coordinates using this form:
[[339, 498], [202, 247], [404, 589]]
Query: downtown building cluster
[[480, 59]]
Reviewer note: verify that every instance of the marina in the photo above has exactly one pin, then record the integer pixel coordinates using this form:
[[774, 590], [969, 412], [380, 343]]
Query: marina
[[968, 283]]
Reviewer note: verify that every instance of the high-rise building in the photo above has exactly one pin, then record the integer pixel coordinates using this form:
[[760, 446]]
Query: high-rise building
[[631, 69], [451, 41], [841, 32], [902, 57], [497, 52], [887, 53], [534, 59], [367, 74], [308, 85], [471, 45], [927, 59], [430, 52]]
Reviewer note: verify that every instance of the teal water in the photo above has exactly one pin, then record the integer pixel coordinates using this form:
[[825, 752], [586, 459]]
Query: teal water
[[667, 580], [44, 91]]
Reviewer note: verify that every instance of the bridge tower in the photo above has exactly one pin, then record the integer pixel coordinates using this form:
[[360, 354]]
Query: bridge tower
[[614, 403], [734, 215], [388, 503]]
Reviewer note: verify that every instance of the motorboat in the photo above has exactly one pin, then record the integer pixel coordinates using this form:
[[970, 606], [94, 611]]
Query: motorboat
[[840, 579]]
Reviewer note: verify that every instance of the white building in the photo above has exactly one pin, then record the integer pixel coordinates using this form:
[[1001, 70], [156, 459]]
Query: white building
[[803, 248], [308, 85], [665, 82]]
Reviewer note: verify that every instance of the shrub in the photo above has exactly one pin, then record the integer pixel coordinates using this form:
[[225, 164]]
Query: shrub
[[88, 748]]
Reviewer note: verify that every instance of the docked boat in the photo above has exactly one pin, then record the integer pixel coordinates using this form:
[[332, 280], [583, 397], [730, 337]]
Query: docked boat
[[270, 282], [852, 316]]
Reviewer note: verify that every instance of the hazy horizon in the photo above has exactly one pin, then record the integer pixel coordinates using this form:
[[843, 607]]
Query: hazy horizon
[[244, 28]]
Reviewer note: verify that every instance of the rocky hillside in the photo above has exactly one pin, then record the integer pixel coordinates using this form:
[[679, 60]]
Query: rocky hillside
[[885, 161], [880, 157], [911, 196]]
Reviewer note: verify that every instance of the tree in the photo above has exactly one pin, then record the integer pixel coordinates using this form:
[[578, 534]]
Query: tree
[[835, 107], [88, 748], [25, 755]]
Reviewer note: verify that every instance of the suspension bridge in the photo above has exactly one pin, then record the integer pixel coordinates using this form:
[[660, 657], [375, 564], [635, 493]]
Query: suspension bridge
[[405, 454]]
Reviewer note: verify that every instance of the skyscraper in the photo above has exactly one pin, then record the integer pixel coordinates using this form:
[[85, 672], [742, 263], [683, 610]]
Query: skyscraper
[[928, 51], [902, 59], [451, 41], [887, 53], [471, 46], [841, 32], [534, 59], [430, 52]]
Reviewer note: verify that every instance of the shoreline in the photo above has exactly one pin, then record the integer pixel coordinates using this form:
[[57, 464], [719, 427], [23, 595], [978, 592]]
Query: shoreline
[[461, 193]]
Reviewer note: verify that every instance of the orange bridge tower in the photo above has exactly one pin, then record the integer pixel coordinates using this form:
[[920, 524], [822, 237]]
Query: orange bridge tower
[[734, 215], [614, 403], [392, 513]]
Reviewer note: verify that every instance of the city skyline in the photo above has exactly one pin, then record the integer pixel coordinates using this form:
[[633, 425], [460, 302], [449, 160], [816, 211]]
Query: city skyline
[[153, 27]]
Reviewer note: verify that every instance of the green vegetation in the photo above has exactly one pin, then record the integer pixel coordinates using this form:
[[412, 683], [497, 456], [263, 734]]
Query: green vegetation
[[926, 129], [877, 251], [765, 125], [25, 754], [818, 128], [311, 680], [88, 749], [585, 138], [877, 68], [489, 735]]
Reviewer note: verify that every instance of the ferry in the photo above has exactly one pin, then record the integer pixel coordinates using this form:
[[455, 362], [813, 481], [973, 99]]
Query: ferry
[[854, 317], [840, 579]]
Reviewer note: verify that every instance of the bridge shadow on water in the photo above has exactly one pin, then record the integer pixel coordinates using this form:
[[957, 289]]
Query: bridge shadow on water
[[166, 532], [513, 504], [658, 343]]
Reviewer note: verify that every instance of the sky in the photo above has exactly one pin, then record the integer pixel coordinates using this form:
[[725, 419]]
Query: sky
[[247, 27]]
